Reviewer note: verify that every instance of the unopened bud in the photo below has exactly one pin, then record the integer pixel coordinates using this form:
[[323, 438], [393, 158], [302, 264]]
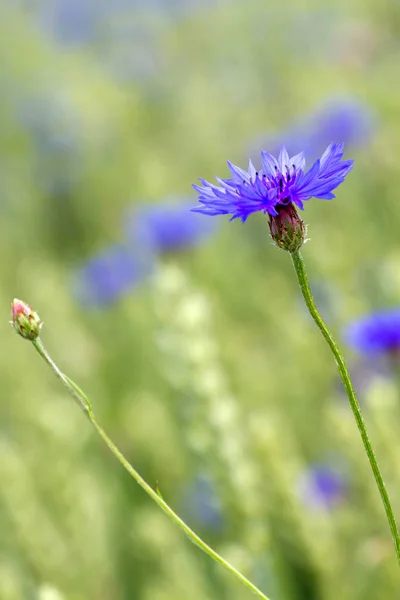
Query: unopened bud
[[287, 229], [25, 321]]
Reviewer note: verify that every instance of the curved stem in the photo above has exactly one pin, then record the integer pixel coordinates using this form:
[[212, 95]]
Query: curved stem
[[155, 495], [355, 407]]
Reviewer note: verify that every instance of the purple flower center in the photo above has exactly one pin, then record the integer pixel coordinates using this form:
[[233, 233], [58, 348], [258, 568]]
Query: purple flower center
[[275, 187]]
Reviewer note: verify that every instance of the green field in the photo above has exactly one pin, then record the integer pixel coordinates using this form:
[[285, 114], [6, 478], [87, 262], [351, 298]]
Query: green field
[[204, 366]]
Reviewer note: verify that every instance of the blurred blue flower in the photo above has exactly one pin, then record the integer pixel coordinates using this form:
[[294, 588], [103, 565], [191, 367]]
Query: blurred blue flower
[[72, 22], [201, 505], [109, 275], [348, 120], [322, 486], [83, 22], [55, 130], [364, 373], [279, 183], [167, 227], [376, 333]]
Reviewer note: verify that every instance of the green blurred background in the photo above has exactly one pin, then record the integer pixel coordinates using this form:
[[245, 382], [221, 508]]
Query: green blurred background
[[204, 367]]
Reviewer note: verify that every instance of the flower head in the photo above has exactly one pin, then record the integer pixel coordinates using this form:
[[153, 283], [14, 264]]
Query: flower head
[[346, 119], [279, 182], [377, 333], [25, 321], [322, 486], [107, 276], [167, 227], [201, 503]]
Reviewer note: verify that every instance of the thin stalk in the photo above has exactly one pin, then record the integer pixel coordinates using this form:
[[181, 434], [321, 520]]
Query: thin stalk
[[355, 407], [155, 495]]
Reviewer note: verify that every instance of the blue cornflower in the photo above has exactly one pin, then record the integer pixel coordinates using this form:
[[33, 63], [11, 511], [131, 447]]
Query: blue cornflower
[[349, 120], [322, 486], [377, 333], [346, 119], [201, 503], [109, 275], [279, 183], [72, 22], [168, 227]]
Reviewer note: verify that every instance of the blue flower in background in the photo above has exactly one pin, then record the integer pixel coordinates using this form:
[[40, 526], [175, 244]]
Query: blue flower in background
[[55, 128], [279, 182], [83, 22], [344, 119], [322, 486], [201, 505], [349, 121], [72, 22], [364, 373], [109, 275], [151, 231], [377, 333], [167, 227]]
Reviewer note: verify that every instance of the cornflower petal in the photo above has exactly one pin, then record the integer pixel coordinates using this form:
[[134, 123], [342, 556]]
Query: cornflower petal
[[238, 173], [252, 170], [269, 164], [298, 161], [283, 159], [280, 182]]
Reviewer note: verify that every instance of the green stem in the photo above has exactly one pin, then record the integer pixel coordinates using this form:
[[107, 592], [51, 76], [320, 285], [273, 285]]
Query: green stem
[[73, 389], [155, 495], [355, 407]]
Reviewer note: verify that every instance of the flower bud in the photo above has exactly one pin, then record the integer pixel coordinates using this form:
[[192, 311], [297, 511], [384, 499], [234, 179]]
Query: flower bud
[[287, 229], [25, 321]]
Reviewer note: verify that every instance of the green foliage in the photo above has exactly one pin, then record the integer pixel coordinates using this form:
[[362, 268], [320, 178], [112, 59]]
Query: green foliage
[[212, 365]]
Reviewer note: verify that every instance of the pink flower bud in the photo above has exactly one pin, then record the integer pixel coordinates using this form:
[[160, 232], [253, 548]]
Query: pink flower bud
[[25, 321]]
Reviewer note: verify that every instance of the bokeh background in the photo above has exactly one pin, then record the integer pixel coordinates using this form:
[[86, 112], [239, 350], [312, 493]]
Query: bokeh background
[[189, 333]]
